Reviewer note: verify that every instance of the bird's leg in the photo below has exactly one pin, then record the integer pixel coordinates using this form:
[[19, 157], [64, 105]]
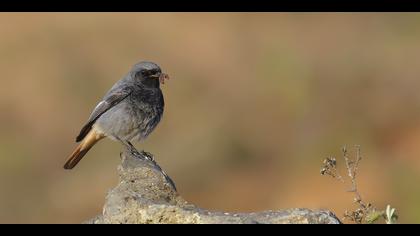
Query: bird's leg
[[130, 147]]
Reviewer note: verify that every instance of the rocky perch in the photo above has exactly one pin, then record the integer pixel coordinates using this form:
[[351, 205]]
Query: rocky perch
[[146, 195]]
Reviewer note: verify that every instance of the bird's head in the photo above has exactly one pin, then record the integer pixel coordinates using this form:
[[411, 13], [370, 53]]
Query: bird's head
[[148, 74]]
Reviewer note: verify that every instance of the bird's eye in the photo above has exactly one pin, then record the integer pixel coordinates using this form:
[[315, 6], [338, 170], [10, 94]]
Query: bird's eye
[[148, 73], [144, 72]]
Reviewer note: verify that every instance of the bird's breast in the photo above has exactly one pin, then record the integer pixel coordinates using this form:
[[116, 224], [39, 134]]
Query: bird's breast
[[133, 119]]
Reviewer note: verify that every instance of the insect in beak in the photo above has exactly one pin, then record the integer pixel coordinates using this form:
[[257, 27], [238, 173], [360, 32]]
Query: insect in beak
[[163, 77]]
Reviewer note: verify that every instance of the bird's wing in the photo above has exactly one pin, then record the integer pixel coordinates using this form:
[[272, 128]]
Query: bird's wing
[[111, 99]]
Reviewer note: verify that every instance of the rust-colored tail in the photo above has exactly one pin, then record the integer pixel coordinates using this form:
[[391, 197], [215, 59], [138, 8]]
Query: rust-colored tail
[[91, 138]]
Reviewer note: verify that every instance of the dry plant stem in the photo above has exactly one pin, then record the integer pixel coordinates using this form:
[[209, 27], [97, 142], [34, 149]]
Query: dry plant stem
[[366, 212], [352, 170]]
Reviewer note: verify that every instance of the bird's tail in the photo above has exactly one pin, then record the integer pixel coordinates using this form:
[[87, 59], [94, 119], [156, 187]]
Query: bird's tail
[[86, 144]]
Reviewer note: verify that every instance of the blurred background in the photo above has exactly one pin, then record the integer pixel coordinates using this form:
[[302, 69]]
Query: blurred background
[[255, 103]]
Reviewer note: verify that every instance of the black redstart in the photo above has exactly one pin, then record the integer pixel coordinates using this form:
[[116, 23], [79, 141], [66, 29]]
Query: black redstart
[[130, 111]]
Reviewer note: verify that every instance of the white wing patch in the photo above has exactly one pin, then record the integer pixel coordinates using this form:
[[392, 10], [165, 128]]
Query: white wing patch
[[99, 105]]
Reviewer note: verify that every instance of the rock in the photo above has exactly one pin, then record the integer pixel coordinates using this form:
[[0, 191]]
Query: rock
[[146, 195]]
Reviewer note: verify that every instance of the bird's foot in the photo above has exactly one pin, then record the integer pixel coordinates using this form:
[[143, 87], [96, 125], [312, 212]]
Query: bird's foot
[[141, 154], [138, 154], [147, 155]]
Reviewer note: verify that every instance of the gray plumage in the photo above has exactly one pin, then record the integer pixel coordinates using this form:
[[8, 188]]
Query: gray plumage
[[129, 111]]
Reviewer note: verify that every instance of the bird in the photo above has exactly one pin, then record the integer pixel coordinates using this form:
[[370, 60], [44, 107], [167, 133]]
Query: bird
[[128, 112]]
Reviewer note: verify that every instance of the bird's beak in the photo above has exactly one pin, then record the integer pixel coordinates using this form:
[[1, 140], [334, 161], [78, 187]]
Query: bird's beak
[[162, 77]]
